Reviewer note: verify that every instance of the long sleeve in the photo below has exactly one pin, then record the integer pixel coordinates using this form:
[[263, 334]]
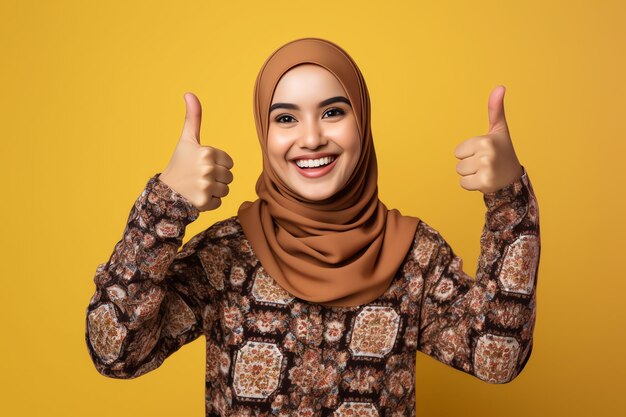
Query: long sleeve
[[484, 327], [150, 299]]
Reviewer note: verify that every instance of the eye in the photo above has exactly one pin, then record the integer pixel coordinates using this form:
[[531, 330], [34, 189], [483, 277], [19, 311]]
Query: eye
[[284, 118], [336, 110]]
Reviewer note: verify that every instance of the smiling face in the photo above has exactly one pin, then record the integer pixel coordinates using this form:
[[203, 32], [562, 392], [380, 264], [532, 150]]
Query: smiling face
[[313, 141]]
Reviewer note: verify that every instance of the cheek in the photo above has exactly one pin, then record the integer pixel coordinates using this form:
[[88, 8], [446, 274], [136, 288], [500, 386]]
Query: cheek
[[278, 145], [346, 134], [350, 141]]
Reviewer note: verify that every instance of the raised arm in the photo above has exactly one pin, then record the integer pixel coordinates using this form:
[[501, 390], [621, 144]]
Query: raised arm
[[150, 299], [484, 327]]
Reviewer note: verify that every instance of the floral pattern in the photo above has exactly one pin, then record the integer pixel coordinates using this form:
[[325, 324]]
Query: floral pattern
[[495, 357], [257, 369], [106, 334], [269, 353], [264, 288], [518, 267], [375, 331], [353, 409]]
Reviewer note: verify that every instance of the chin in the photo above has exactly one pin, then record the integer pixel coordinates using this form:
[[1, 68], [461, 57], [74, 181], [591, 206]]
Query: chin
[[319, 197], [322, 195], [321, 191]]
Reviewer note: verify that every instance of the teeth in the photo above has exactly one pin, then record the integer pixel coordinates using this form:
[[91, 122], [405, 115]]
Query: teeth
[[311, 163]]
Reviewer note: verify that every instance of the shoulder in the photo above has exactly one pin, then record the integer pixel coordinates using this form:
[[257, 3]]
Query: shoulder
[[427, 243], [223, 233], [229, 227]]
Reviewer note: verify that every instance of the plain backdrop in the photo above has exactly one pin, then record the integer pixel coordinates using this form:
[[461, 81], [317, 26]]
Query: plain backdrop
[[91, 106]]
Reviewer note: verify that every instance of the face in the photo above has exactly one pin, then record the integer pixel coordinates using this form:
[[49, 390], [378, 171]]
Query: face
[[313, 141]]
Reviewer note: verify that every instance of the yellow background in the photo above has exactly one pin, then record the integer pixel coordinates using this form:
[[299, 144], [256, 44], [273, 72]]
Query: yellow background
[[91, 105]]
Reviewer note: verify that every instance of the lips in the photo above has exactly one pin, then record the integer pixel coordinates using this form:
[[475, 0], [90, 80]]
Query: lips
[[313, 156], [317, 171]]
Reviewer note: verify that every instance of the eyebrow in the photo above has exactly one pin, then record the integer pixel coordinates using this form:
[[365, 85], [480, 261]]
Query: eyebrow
[[322, 104]]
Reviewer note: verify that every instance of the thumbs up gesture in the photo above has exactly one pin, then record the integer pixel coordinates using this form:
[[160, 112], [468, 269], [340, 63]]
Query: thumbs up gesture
[[488, 162], [199, 173]]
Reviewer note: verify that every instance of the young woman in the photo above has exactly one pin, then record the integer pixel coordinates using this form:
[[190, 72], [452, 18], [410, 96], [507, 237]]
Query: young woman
[[316, 298]]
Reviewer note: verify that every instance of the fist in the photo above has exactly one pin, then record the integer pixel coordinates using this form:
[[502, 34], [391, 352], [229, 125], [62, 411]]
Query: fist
[[199, 173], [488, 162]]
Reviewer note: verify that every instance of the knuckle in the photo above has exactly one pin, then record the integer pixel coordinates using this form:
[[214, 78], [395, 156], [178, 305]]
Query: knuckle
[[208, 169], [205, 199], [206, 152], [487, 180], [206, 187]]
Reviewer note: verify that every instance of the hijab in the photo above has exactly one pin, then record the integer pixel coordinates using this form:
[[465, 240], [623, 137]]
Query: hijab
[[342, 251]]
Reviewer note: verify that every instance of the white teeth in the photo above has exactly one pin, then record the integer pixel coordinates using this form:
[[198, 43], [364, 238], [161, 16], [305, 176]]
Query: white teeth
[[308, 163]]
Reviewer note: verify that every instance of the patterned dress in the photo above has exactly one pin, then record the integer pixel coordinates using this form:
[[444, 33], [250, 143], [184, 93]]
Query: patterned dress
[[269, 353]]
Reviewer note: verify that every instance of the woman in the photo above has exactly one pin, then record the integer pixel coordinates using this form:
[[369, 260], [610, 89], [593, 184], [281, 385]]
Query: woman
[[315, 298]]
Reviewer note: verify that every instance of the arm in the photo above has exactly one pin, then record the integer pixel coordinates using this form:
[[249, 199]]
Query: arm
[[149, 299], [484, 327]]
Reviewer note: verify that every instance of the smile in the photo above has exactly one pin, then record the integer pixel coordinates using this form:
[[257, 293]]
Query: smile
[[314, 168], [313, 163]]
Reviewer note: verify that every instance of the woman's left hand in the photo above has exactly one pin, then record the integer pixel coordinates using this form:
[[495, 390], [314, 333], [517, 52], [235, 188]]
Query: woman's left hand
[[488, 163]]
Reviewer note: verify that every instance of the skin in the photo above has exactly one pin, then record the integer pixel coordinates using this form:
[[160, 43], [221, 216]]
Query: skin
[[310, 129], [201, 173], [488, 163]]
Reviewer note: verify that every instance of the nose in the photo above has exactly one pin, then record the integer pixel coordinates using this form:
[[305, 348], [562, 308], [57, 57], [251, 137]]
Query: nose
[[312, 136]]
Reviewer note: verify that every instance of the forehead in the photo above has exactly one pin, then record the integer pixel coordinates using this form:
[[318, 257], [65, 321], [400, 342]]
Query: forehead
[[307, 81]]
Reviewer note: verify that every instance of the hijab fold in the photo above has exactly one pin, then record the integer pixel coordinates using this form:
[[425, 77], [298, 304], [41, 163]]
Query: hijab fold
[[342, 251]]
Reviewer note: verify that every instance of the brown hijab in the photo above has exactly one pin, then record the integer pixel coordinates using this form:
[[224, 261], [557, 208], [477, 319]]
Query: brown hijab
[[343, 251]]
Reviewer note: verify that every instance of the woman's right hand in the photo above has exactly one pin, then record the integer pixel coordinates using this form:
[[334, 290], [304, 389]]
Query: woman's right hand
[[199, 173]]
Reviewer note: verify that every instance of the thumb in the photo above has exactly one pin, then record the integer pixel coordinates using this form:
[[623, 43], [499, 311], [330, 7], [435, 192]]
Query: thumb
[[497, 120], [193, 117]]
